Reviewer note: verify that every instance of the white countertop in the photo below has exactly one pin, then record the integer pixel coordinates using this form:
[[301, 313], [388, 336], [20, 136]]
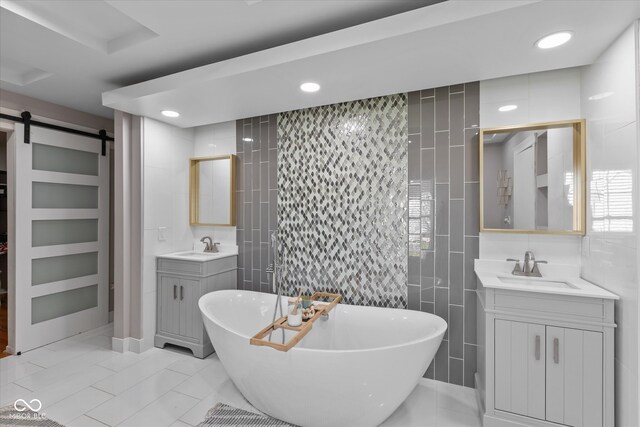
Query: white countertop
[[490, 271], [199, 256]]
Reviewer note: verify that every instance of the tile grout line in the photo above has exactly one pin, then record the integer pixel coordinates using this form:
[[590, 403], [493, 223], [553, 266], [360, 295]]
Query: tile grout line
[[159, 397], [449, 234], [103, 391], [464, 210], [89, 416]]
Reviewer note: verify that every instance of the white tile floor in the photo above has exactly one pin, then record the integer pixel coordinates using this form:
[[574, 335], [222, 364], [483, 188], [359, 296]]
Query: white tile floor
[[81, 382]]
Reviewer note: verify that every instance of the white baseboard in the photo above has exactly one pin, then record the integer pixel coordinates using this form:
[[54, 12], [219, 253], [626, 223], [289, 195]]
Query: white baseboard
[[122, 345], [479, 401], [138, 345]]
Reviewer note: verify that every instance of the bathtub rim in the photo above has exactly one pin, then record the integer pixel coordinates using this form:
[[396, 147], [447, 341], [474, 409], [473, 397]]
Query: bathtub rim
[[442, 326]]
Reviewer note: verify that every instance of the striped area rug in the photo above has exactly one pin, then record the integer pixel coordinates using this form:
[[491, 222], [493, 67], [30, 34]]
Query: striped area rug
[[225, 415]]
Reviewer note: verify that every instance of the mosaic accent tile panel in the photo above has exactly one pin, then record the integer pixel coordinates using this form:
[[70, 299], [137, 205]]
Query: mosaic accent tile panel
[[444, 220], [342, 200]]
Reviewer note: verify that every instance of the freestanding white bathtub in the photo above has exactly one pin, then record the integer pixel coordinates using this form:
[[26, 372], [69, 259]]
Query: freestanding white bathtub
[[353, 369]]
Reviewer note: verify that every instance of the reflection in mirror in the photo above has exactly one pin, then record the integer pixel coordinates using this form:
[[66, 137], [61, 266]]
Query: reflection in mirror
[[212, 190], [532, 178]]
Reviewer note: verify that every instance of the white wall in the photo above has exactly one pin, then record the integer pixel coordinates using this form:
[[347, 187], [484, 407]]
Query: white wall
[[540, 97], [127, 233], [610, 257], [167, 150]]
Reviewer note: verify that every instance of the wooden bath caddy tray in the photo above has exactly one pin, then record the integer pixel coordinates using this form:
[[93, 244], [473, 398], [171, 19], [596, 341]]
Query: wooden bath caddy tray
[[281, 323]]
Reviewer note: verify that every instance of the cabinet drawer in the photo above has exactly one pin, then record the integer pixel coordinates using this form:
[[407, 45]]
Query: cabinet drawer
[[175, 266], [557, 304], [220, 265], [195, 268]]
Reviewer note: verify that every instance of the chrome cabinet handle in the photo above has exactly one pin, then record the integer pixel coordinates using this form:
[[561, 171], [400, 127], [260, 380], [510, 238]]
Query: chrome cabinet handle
[[556, 350], [181, 292], [537, 347], [175, 291]]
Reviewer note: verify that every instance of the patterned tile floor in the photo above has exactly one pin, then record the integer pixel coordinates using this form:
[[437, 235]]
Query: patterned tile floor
[[81, 382]]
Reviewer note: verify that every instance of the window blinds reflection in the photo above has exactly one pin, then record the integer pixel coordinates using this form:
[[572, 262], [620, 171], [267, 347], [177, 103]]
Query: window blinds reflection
[[569, 185], [612, 201]]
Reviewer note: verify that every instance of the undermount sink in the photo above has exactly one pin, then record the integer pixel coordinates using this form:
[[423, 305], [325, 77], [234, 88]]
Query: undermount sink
[[535, 281], [557, 279], [193, 254]]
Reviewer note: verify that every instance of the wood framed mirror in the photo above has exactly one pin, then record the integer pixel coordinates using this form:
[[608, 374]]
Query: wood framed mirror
[[212, 190], [533, 178]]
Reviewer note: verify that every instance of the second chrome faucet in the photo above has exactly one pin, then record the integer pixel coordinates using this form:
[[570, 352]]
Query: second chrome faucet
[[210, 246]]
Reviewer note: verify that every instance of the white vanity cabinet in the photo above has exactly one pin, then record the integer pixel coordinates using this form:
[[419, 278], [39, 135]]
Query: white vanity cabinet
[[549, 373], [520, 385], [176, 300], [181, 281], [545, 359]]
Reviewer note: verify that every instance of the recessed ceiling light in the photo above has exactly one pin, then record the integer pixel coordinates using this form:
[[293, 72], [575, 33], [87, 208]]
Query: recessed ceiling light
[[506, 108], [554, 40], [170, 113], [247, 139], [310, 87]]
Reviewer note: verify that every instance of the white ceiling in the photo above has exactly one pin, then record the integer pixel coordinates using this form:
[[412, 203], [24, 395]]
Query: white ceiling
[[291, 41], [446, 43], [69, 51]]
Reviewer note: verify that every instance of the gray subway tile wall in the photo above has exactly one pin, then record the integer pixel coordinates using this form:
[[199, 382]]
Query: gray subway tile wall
[[446, 121], [256, 199], [442, 222]]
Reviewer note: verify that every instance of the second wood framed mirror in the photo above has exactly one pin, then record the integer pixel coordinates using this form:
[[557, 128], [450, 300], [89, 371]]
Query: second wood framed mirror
[[532, 178], [212, 190]]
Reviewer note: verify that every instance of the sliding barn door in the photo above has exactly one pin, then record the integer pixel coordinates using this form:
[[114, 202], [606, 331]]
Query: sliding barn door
[[62, 236]]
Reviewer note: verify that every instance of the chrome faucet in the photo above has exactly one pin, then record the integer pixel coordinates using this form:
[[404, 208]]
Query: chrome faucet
[[527, 269], [517, 270], [528, 257], [210, 246], [275, 265]]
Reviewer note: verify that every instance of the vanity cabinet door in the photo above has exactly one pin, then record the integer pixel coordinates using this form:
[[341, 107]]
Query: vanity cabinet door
[[574, 377], [168, 305], [190, 318], [520, 368]]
